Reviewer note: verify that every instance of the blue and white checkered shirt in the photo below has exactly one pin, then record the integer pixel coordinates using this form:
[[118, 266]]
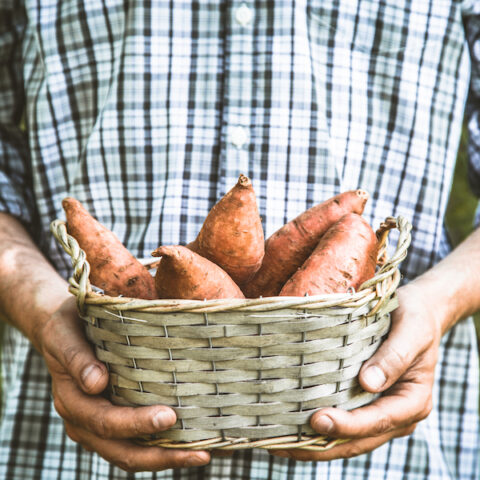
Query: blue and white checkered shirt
[[148, 111]]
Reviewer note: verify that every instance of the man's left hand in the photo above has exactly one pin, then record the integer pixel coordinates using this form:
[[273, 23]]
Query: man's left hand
[[402, 368]]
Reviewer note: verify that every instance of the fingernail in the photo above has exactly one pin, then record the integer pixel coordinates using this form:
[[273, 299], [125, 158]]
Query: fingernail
[[91, 376], [196, 460], [163, 419], [374, 377], [323, 424]]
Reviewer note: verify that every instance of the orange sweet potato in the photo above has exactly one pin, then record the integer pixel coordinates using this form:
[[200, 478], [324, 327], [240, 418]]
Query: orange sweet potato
[[184, 274], [112, 267], [232, 234], [288, 248], [344, 258]]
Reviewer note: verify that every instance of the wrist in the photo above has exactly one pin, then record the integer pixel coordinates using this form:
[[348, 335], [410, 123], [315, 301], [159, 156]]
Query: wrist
[[30, 288], [450, 286], [45, 305], [30, 302], [442, 303]]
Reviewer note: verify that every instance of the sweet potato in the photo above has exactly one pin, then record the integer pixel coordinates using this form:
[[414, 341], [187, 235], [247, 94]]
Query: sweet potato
[[288, 248], [232, 234], [344, 258], [184, 274], [112, 267]]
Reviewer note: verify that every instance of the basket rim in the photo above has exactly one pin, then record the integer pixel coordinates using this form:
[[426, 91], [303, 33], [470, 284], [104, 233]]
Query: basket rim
[[381, 286]]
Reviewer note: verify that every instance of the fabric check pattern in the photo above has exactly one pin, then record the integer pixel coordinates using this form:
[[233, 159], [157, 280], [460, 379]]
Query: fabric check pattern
[[148, 111]]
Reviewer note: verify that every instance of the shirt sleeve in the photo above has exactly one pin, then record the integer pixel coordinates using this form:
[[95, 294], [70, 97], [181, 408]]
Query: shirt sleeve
[[471, 20], [16, 195]]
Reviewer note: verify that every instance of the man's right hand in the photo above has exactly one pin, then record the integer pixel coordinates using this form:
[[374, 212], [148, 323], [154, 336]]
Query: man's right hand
[[78, 379]]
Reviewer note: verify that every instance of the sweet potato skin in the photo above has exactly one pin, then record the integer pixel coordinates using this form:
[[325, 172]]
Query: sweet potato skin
[[232, 233], [344, 258], [183, 274], [288, 248], [112, 267]]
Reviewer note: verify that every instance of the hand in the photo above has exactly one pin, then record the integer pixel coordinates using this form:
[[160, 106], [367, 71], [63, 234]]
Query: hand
[[78, 378], [403, 368]]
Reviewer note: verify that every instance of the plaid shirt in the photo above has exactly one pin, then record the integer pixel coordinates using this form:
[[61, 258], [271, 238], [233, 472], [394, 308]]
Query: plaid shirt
[[148, 111]]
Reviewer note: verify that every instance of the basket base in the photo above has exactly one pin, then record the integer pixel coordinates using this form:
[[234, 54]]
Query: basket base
[[316, 443]]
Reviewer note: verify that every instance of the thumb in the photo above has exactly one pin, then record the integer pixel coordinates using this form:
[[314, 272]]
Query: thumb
[[65, 341], [391, 360], [88, 373]]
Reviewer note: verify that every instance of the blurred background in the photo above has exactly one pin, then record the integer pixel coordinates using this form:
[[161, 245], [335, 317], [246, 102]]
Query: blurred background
[[461, 207]]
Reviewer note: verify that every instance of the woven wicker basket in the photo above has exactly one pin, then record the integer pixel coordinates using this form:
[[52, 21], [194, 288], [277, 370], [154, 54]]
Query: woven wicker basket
[[239, 373]]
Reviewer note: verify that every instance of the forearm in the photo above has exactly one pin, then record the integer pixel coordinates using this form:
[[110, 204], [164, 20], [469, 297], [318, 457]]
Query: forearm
[[452, 286], [30, 289]]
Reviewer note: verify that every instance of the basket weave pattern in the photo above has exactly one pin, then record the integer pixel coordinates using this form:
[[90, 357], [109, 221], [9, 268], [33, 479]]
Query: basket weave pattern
[[239, 373]]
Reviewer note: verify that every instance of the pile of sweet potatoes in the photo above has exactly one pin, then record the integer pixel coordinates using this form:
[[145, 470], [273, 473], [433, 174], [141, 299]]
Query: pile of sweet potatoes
[[329, 248]]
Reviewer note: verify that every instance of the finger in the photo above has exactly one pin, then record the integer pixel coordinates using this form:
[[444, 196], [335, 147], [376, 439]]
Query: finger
[[405, 404], [349, 449], [66, 343], [97, 415], [135, 458]]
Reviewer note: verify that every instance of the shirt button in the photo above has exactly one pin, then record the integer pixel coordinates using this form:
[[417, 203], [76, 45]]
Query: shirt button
[[239, 136], [243, 15]]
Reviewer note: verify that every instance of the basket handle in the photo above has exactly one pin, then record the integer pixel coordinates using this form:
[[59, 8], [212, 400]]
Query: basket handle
[[81, 268], [382, 238], [389, 268]]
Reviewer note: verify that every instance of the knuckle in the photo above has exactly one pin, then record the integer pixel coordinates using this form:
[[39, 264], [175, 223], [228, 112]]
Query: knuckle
[[59, 407], [71, 356], [353, 450], [409, 430], [426, 409], [127, 463], [383, 424], [137, 427], [398, 358], [72, 433], [404, 432], [101, 426]]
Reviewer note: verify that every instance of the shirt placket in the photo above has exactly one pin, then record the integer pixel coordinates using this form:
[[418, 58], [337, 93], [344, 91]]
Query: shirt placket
[[237, 99]]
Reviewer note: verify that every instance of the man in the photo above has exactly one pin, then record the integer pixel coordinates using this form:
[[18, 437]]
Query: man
[[147, 112]]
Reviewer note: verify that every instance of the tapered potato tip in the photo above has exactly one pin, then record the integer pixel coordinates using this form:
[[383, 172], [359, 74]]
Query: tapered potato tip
[[363, 194], [162, 251], [69, 204], [244, 181], [67, 201]]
